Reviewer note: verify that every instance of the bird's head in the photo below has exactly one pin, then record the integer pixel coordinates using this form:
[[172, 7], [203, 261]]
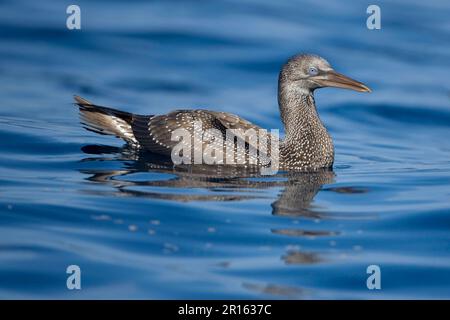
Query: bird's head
[[306, 72]]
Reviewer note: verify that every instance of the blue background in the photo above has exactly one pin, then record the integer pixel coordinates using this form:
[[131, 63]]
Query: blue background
[[137, 234]]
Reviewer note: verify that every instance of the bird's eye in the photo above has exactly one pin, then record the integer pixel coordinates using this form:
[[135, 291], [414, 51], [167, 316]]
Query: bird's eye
[[313, 71]]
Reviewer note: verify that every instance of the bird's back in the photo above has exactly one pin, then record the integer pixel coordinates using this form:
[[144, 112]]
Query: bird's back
[[162, 133]]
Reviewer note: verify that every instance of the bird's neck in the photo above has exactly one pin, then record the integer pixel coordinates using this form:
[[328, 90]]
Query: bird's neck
[[298, 113], [305, 134]]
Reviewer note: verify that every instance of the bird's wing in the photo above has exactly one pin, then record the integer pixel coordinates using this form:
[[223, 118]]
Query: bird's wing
[[155, 133], [232, 121]]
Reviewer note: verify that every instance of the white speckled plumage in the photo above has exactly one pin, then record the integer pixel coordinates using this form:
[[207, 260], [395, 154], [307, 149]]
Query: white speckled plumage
[[307, 143]]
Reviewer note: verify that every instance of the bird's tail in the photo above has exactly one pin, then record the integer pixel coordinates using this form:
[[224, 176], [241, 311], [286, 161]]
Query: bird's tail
[[105, 120]]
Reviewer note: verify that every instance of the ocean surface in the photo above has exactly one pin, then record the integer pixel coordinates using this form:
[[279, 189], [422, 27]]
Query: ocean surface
[[71, 197]]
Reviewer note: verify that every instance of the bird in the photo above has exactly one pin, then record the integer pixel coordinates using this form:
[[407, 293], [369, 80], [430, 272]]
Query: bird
[[307, 144]]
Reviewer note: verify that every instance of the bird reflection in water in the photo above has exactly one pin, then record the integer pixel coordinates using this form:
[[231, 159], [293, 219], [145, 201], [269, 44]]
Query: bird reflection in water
[[226, 183], [223, 183]]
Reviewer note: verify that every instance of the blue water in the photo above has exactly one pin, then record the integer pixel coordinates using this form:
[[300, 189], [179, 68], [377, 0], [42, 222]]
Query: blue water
[[68, 196]]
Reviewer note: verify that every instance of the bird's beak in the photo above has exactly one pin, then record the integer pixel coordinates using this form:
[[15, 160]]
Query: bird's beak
[[334, 79]]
